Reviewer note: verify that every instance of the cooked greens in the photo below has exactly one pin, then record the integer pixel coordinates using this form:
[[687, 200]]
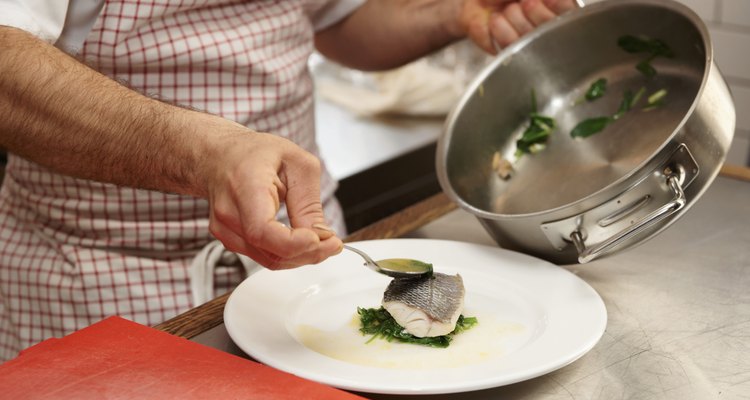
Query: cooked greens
[[380, 324], [653, 47], [628, 101], [656, 99], [534, 138], [596, 90], [643, 44], [646, 68], [632, 44], [590, 126], [595, 125]]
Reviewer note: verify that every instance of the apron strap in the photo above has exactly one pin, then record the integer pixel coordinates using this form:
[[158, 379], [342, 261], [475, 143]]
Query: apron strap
[[205, 262]]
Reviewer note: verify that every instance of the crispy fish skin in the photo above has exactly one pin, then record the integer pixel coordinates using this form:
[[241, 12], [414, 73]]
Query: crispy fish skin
[[426, 307]]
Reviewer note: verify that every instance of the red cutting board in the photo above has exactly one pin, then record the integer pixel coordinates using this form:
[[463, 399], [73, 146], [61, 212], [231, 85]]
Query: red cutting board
[[119, 359]]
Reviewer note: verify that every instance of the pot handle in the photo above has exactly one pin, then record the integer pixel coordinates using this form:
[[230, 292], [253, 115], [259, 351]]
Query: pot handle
[[678, 201]]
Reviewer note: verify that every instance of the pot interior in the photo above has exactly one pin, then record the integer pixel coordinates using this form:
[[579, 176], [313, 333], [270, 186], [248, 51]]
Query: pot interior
[[559, 64]]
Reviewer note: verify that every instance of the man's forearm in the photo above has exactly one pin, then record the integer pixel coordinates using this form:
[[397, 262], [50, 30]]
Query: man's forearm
[[384, 34], [61, 114]]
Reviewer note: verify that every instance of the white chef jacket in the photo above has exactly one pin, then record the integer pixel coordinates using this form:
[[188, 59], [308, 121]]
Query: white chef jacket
[[73, 251]]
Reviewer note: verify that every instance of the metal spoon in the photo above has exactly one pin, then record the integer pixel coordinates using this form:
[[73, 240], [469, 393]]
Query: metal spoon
[[395, 267]]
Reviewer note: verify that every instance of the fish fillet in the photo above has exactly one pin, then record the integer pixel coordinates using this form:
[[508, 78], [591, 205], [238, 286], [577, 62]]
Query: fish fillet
[[426, 307]]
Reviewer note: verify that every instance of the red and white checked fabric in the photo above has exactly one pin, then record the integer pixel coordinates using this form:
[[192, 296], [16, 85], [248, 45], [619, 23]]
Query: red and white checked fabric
[[73, 252]]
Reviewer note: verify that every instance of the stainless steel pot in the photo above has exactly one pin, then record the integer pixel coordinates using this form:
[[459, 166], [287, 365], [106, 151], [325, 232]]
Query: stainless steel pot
[[580, 199]]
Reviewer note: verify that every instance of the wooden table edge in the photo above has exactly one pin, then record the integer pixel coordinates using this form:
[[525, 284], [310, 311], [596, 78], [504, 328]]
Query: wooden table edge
[[211, 314]]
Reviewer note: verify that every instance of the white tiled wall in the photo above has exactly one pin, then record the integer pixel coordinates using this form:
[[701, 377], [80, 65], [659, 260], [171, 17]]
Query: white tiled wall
[[729, 24], [735, 12]]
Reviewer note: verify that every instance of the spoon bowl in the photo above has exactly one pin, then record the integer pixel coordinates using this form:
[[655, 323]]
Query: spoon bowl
[[395, 267]]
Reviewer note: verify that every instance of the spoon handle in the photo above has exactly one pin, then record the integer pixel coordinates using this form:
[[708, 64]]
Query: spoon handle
[[368, 261]]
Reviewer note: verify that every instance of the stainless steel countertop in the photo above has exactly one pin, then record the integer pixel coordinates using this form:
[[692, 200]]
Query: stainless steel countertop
[[678, 311]]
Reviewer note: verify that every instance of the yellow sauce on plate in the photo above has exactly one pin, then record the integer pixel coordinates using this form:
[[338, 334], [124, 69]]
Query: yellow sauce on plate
[[489, 339]]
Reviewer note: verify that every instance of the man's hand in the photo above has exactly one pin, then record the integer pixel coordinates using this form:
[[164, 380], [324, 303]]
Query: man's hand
[[59, 113], [494, 24], [250, 175], [396, 32]]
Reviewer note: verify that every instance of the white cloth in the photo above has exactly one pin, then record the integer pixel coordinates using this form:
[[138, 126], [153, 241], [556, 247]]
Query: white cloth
[[204, 264], [417, 89], [43, 18]]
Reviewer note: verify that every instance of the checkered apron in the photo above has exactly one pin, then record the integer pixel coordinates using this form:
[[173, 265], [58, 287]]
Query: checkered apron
[[72, 251]]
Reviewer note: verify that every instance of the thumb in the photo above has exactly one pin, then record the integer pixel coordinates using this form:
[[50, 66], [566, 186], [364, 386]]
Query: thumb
[[303, 204], [310, 215], [496, 3]]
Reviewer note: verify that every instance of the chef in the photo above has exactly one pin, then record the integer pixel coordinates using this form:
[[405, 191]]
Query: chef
[[158, 151]]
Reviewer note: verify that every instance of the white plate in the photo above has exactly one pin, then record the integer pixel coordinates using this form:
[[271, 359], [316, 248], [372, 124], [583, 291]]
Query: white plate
[[534, 317]]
